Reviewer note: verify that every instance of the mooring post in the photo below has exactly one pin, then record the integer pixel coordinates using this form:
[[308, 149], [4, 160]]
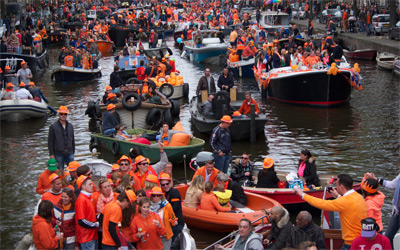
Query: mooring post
[[252, 124]]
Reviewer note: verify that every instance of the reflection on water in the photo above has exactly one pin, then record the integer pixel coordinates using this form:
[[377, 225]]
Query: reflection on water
[[360, 136]]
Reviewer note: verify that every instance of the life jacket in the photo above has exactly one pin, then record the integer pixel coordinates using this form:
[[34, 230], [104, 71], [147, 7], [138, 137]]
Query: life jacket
[[240, 43]]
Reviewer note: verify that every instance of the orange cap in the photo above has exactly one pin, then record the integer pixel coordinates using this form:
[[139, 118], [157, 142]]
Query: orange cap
[[268, 162], [73, 166], [115, 167], [111, 95], [152, 178], [163, 60], [80, 180], [31, 84], [124, 158], [236, 113], [226, 118], [22, 63], [63, 109], [131, 195], [22, 84], [9, 85], [156, 190], [110, 106], [368, 187], [165, 177], [7, 67], [52, 177]]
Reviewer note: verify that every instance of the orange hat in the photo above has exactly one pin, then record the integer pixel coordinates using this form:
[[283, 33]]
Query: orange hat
[[63, 110], [268, 162], [165, 177], [115, 167], [140, 30], [31, 84], [108, 87], [73, 166], [156, 190], [270, 45], [22, 84], [226, 118], [16, 31], [139, 159], [80, 180], [110, 106], [236, 113], [137, 53], [91, 40], [152, 178], [22, 63], [369, 187], [125, 158], [131, 195], [7, 67], [163, 60], [9, 85], [275, 41], [52, 177], [111, 95], [63, 48]]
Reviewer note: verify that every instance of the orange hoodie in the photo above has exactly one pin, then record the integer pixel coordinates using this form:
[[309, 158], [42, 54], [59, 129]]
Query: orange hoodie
[[43, 182], [210, 202], [374, 206], [44, 236], [202, 171]]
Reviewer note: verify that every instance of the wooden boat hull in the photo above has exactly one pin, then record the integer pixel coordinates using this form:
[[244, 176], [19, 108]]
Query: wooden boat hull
[[222, 221], [104, 47], [71, 74], [175, 154], [17, 110], [35, 63], [365, 54]]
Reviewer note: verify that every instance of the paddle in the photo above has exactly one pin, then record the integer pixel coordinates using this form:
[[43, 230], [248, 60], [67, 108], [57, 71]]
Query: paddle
[[48, 106]]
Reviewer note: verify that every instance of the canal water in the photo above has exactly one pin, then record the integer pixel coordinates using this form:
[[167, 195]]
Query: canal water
[[358, 137]]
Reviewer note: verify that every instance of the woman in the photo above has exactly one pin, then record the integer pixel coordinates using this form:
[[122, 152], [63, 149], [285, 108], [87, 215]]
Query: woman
[[210, 202], [267, 176], [276, 58], [163, 208], [194, 192], [129, 214], [147, 227], [64, 213], [374, 200], [150, 182], [307, 169], [325, 59], [44, 236]]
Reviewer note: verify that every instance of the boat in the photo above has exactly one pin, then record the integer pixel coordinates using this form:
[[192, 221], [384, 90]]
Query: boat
[[240, 128], [71, 25], [323, 87], [35, 63], [57, 37], [224, 221], [243, 68], [385, 60], [20, 109], [128, 65], [118, 34], [396, 66], [71, 74], [273, 21], [362, 54], [210, 51], [104, 46], [175, 154]]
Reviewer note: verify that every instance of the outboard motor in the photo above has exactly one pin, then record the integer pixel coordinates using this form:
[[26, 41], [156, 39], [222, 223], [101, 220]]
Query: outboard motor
[[201, 159]]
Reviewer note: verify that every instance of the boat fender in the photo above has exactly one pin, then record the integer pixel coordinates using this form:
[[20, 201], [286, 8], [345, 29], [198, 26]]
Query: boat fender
[[132, 80], [41, 63], [186, 90], [167, 117], [175, 108], [47, 59], [167, 90], [115, 148], [97, 110], [89, 109], [94, 143], [153, 118], [132, 106]]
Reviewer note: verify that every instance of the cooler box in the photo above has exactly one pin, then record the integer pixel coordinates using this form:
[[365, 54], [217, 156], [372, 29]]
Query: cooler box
[[293, 183]]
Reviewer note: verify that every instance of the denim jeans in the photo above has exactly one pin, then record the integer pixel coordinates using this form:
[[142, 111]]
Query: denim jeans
[[91, 245], [345, 247], [362, 26], [222, 162], [106, 247], [393, 227], [369, 29], [63, 159], [109, 131]]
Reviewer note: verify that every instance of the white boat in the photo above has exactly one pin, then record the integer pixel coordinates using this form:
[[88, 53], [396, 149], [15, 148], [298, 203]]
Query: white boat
[[242, 68], [396, 66], [273, 21], [15, 110], [385, 60]]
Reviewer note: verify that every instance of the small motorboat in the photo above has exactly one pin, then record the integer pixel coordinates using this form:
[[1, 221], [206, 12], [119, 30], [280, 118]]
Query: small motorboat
[[385, 60], [175, 154], [224, 221], [273, 21], [242, 68], [396, 66], [35, 62], [241, 126], [71, 74], [362, 54], [104, 46], [17, 109]]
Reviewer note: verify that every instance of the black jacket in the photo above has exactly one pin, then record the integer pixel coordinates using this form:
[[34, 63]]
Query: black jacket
[[267, 180], [174, 197], [238, 171], [222, 80], [310, 172], [237, 192], [115, 80], [220, 140], [311, 232], [280, 231], [60, 140]]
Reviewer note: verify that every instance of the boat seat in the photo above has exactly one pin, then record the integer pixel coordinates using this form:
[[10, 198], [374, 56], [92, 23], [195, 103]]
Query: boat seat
[[244, 210]]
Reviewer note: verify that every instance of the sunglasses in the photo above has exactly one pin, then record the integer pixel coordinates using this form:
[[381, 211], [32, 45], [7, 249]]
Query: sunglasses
[[244, 158], [156, 195], [145, 163], [165, 184], [63, 114], [124, 164]]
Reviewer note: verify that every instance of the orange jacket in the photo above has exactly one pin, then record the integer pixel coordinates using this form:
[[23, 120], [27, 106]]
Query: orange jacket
[[210, 202], [202, 171], [374, 206], [168, 214], [54, 198], [246, 108], [69, 61], [152, 237], [43, 182], [44, 236]]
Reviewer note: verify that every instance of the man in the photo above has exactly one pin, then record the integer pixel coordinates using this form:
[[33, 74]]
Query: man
[[22, 92], [232, 37], [245, 109], [35, 91], [109, 120], [238, 198], [221, 144], [72, 169], [69, 60], [246, 238], [206, 82], [280, 228], [350, 205], [85, 215], [305, 230], [208, 171], [225, 80], [61, 139], [10, 77], [174, 198], [43, 184], [370, 239], [115, 80], [248, 53], [241, 171], [208, 107], [24, 73], [170, 62], [54, 194], [105, 96]]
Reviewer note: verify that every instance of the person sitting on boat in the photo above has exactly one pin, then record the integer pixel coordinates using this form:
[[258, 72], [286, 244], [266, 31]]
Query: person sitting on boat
[[223, 195], [209, 200], [307, 169], [115, 80], [305, 230], [374, 200], [69, 60], [208, 172], [35, 91], [267, 176], [54, 193], [207, 107], [245, 109], [225, 80], [109, 120], [112, 98], [206, 82], [241, 171], [280, 228], [194, 192], [248, 53], [105, 96], [238, 198], [22, 92], [370, 237], [9, 92]]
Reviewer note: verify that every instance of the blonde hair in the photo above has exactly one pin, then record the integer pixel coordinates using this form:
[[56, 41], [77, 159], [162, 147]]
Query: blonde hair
[[149, 185], [197, 183]]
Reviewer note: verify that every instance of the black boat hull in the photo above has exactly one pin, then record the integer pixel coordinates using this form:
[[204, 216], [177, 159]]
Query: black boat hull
[[68, 76], [35, 63]]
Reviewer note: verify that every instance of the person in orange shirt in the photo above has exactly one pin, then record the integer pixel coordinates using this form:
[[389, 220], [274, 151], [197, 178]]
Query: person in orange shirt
[[147, 227], [246, 105], [69, 60], [208, 171], [85, 60], [43, 184], [126, 168], [112, 215], [54, 194], [209, 201], [374, 200]]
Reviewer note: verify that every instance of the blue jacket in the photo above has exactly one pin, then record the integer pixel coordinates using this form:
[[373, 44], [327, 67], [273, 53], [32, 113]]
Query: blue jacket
[[109, 121], [221, 140]]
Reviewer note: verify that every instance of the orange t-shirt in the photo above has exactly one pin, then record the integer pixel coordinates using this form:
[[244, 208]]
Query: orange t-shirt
[[54, 198], [69, 61], [84, 209], [111, 212], [165, 139]]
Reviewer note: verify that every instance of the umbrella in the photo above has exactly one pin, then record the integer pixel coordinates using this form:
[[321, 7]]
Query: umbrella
[[273, 1]]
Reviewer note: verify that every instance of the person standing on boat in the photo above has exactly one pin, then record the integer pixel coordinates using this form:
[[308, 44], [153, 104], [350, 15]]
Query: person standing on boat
[[225, 80], [305, 230], [69, 60], [310, 26], [220, 142], [241, 171], [54, 194], [61, 139], [115, 80], [206, 82], [24, 73], [374, 200], [350, 205], [307, 169]]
